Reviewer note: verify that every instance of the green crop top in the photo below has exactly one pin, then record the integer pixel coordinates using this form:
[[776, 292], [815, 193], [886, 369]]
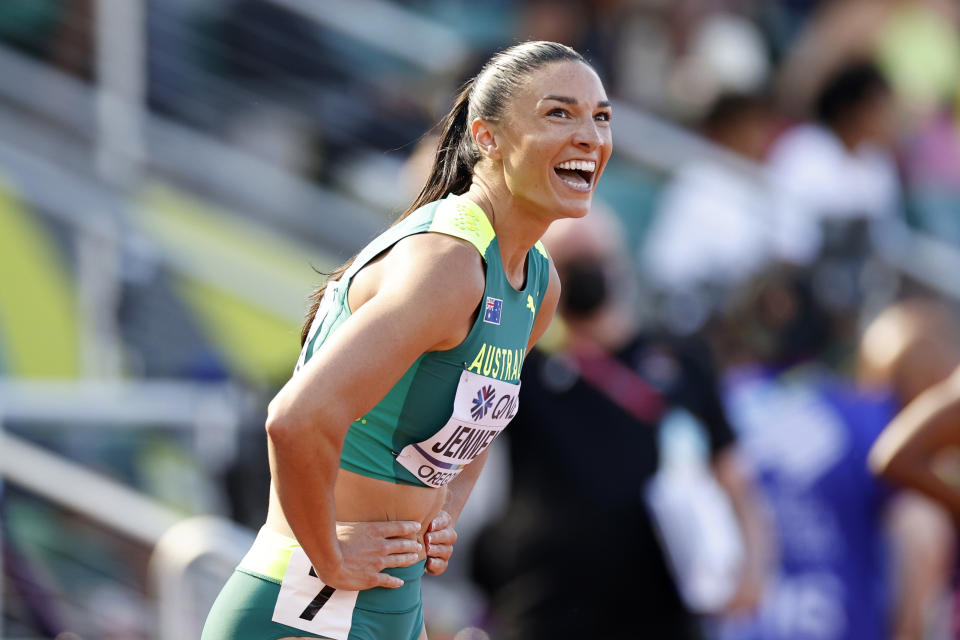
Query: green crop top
[[449, 405]]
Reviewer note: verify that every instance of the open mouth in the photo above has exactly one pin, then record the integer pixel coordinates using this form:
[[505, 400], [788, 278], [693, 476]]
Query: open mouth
[[577, 174]]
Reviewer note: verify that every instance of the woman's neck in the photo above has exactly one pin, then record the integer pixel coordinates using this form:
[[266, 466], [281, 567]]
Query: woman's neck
[[517, 229]]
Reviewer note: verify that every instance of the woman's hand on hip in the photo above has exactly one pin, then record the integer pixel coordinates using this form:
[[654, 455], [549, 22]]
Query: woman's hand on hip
[[368, 548], [439, 540]]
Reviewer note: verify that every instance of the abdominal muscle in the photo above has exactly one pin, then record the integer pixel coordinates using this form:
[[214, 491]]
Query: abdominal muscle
[[359, 498]]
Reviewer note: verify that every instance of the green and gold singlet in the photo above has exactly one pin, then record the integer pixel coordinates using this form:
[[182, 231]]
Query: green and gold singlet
[[449, 405], [443, 413]]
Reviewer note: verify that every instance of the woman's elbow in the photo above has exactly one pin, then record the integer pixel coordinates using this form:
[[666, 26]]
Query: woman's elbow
[[276, 430], [287, 425], [879, 459], [281, 426], [890, 462]]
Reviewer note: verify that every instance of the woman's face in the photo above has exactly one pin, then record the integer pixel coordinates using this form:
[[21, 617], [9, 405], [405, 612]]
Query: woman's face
[[554, 139]]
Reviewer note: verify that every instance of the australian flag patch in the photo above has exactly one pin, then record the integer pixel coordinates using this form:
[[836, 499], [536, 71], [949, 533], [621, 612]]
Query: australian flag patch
[[492, 310]]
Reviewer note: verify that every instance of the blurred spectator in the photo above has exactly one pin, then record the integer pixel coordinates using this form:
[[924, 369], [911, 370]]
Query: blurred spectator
[[716, 223], [915, 42], [807, 433], [725, 53], [837, 33], [842, 167], [576, 553], [678, 57]]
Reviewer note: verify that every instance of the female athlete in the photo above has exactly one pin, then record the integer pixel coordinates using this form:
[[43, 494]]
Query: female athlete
[[411, 362]]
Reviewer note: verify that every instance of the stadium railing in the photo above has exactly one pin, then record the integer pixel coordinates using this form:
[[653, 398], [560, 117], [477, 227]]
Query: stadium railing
[[190, 557]]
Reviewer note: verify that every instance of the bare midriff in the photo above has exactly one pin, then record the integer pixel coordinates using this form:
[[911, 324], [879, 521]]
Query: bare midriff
[[359, 498]]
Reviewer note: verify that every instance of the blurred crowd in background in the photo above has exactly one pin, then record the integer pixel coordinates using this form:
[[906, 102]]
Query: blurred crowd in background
[[768, 277]]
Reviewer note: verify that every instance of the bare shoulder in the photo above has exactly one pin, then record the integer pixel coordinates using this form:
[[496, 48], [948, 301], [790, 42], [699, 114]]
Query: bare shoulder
[[438, 265], [424, 266], [439, 276]]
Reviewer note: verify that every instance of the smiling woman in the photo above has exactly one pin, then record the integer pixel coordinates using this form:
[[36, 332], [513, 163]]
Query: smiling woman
[[422, 335]]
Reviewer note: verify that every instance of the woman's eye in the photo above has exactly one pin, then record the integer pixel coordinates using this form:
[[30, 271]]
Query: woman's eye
[[560, 113], [603, 116]]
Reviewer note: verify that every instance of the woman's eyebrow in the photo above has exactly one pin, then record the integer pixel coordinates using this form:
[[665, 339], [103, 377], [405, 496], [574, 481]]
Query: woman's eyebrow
[[569, 100]]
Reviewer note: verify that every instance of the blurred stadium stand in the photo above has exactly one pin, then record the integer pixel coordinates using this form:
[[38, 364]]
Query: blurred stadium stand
[[169, 174]]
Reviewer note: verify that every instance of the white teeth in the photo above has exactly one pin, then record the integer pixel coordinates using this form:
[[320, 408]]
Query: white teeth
[[579, 165]]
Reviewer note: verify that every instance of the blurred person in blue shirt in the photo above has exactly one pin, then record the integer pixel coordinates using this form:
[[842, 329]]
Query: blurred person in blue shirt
[[807, 432]]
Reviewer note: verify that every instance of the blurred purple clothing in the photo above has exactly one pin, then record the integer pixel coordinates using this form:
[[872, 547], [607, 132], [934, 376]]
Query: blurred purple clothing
[[932, 157], [807, 434]]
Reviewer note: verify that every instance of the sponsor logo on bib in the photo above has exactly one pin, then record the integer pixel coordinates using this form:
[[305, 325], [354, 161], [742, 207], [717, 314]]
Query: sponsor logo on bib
[[483, 402], [482, 408]]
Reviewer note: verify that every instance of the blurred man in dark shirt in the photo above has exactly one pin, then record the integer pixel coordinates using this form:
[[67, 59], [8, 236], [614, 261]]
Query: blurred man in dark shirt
[[576, 552]]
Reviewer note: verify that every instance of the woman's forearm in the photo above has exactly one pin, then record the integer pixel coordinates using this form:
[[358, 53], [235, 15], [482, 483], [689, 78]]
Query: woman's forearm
[[922, 545], [458, 491], [921, 477], [303, 467], [906, 451]]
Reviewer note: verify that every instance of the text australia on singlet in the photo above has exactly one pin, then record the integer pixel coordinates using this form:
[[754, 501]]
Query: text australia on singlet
[[485, 402], [497, 362]]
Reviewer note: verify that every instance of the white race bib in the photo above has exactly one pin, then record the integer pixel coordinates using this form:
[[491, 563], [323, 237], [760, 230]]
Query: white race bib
[[306, 603], [482, 408]]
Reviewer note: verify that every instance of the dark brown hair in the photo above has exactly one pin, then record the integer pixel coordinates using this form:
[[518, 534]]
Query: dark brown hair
[[484, 96]]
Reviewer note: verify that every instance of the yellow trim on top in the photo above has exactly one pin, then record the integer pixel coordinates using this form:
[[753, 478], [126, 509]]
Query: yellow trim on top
[[462, 218], [542, 249], [270, 554]]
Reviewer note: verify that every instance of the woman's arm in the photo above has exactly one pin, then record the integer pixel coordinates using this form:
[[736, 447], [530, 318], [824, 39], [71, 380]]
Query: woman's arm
[[424, 296], [441, 534], [905, 451], [460, 487], [922, 550]]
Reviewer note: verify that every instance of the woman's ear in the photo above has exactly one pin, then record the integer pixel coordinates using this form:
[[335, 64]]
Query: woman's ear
[[486, 138]]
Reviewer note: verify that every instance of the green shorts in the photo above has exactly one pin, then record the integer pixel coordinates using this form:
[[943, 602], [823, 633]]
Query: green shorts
[[274, 593]]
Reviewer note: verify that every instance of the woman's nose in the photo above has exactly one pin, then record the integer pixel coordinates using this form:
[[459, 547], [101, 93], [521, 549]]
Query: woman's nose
[[588, 136]]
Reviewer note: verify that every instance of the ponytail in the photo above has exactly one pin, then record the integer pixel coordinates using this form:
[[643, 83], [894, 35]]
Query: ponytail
[[317, 296], [452, 172]]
